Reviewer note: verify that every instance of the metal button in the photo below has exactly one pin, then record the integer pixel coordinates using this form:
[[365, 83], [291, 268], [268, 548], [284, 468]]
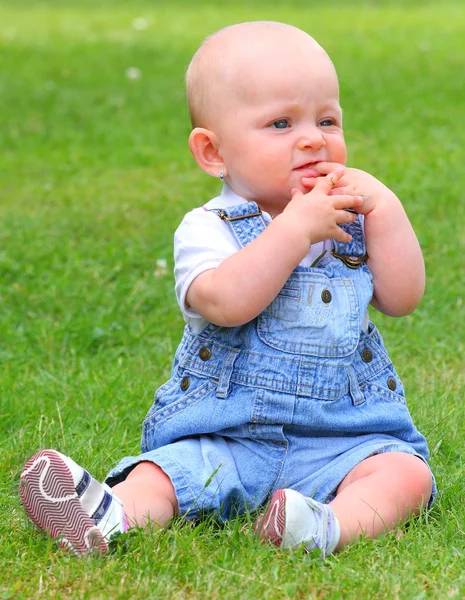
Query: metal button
[[205, 353], [185, 383], [367, 355], [326, 296], [391, 383]]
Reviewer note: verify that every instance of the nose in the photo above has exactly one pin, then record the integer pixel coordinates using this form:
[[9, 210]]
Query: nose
[[312, 138]]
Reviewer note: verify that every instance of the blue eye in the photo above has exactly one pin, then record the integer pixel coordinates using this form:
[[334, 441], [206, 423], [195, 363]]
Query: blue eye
[[280, 124], [327, 123]]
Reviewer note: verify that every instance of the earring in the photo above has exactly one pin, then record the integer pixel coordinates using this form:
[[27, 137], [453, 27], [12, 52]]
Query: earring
[[221, 175]]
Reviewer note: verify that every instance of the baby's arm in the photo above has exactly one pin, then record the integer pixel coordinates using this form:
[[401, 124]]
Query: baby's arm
[[394, 254], [395, 257], [245, 283]]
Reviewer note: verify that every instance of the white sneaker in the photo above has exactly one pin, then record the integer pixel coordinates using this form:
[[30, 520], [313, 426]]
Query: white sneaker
[[61, 497], [292, 520]]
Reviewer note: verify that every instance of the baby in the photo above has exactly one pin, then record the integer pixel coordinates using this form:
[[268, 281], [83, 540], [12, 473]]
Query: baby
[[282, 394]]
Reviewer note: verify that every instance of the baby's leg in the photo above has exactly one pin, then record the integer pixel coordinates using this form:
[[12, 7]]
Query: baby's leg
[[147, 495], [64, 499], [380, 493]]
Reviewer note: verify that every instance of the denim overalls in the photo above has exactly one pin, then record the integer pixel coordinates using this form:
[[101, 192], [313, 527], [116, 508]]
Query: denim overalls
[[293, 399]]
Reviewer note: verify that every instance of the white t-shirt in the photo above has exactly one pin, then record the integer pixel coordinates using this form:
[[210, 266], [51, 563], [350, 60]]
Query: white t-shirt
[[203, 240]]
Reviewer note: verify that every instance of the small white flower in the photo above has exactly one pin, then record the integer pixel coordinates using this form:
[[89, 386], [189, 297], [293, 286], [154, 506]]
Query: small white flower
[[133, 73], [140, 24], [162, 267]]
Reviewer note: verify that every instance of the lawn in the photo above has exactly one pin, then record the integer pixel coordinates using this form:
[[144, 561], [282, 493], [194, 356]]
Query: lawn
[[95, 175]]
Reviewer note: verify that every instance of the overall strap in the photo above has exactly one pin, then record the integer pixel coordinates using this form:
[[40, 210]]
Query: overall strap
[[245, 221], [352, 253]]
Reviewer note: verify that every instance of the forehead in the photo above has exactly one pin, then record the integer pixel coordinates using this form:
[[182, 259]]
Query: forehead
[[278, 63], [254, 62]]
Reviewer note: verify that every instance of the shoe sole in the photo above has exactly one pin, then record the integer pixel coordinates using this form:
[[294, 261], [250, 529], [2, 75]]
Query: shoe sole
[[48, 494], [270, 527]]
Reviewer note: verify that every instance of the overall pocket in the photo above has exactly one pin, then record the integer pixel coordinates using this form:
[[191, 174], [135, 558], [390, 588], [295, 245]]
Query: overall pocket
[[313, 315], [386, 385], [177, 394]]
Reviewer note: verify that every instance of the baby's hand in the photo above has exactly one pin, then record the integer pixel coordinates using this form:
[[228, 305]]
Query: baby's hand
[[357, 183], [318, 213]]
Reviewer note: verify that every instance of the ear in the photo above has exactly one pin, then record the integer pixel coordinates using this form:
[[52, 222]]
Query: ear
[[204, 147]]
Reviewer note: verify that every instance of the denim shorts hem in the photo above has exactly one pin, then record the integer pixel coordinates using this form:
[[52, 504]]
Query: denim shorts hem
[[187, 499], [326, 492], [195, 496]]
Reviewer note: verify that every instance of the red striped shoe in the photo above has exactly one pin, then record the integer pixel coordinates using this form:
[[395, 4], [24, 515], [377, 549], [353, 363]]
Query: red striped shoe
[[63, 499], [292, 520]]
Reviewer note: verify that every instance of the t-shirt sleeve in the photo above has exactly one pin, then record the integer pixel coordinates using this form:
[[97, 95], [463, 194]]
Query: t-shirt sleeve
[[201, 242]]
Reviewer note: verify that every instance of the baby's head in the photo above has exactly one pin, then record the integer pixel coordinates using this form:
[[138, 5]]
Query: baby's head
[[264, 104]]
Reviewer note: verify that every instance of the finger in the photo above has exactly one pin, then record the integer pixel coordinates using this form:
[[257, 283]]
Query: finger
[[345, 216], [296, 193], [341, 191], [310, 182], [336, 192], [346, 202], [325, 168], [328, 167], [328, 182], [341, 236]]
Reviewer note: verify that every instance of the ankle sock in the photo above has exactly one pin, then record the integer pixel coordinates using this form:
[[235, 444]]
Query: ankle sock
[[292, 520]]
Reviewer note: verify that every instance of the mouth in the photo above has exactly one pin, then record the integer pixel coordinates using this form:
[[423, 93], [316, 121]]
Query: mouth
[[308, 170]]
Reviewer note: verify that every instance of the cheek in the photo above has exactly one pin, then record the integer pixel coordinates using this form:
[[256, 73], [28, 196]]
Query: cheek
[[339, 151], [275, 156]]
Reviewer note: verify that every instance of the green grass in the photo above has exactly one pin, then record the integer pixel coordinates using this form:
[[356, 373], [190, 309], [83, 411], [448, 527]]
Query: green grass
[[95, 175]]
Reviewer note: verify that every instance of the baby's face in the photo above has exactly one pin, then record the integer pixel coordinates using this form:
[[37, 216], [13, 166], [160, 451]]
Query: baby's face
[[279, 116]]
